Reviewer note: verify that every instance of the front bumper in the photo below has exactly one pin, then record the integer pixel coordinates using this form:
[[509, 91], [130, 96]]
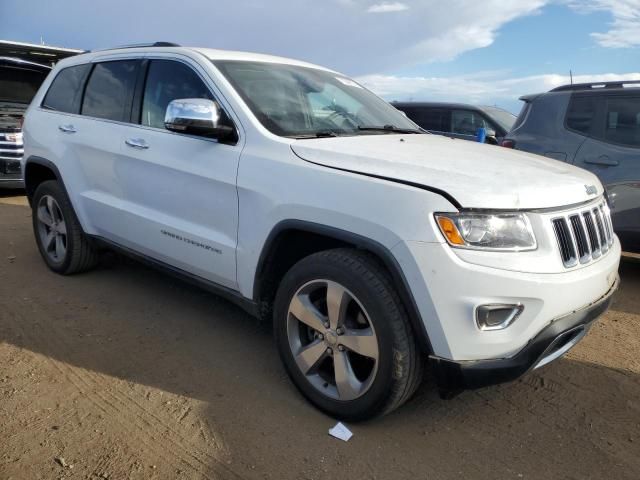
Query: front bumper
[[551, 343]]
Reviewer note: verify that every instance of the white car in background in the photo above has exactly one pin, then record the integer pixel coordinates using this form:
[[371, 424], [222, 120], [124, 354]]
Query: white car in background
[[295, 192]]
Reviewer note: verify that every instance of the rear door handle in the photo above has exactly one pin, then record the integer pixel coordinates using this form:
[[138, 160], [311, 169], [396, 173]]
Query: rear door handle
[[602, 160], [137, 143], [68, 128]]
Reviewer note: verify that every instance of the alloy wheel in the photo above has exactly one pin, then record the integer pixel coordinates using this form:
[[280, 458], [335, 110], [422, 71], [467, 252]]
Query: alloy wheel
[[52, 229], [332, 340]]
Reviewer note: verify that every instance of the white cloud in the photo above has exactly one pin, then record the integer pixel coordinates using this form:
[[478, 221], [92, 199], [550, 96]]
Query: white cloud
[[624, 31], [387, 7], [487, 88], [340, 34]]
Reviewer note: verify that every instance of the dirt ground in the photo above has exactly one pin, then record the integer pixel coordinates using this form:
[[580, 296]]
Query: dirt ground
[[126, 373]]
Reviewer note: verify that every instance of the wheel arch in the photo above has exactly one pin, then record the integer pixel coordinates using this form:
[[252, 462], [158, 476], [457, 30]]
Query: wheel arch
[[291, 240], [38, 170]]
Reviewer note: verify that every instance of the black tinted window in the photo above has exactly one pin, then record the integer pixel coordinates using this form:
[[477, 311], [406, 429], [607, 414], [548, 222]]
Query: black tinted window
[[110, 90], [623, 121], [166, 81], [581, 114], [19, 83], [522, 116], [466, 122], [437, 120], [65, 93]]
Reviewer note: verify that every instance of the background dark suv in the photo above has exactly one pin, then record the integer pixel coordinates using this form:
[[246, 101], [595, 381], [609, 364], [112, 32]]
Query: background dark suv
[[595, 126], [459, 120]]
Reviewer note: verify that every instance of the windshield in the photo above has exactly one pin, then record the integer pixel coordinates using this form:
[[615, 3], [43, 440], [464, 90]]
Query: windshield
[[501, 117], [19, 84], [300, 102]]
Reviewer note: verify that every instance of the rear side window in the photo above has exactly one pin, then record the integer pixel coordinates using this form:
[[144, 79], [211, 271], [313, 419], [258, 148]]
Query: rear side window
[[466, 122], [623, 121], [169, 80], [434, 119], [581, 114], [65, 92], [109, 91]]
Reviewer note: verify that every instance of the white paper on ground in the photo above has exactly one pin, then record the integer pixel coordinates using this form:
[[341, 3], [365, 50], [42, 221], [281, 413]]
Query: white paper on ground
[[341, 432]]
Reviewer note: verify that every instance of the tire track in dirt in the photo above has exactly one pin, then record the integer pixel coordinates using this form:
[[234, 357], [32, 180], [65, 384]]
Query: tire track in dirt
[[131, 416]]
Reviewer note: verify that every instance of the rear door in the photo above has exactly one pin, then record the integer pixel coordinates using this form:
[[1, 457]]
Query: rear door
[[612, 152], [177, 192]]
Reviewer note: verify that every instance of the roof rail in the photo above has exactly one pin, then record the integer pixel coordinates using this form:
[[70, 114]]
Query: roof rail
[[596, 85], [139, 45]]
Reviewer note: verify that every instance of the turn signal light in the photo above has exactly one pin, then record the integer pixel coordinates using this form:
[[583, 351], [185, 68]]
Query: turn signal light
[[450, 230]]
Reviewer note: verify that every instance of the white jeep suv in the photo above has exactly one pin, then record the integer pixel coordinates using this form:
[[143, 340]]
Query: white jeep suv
[[295, 192]]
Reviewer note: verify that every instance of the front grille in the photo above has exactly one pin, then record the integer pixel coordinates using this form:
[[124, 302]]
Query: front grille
[[583, 235]]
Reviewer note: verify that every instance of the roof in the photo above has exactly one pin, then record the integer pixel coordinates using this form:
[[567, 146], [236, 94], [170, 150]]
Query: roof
[[32, 52], [210, 53]]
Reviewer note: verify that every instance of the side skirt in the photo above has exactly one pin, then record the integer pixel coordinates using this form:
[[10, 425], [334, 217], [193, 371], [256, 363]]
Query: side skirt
[[229, 294]]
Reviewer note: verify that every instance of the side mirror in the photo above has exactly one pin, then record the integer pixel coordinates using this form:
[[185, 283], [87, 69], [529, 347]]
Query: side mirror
[[196, 116]]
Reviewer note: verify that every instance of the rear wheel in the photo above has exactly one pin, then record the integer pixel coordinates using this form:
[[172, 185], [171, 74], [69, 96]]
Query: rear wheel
[[59, 236], [344, 336]]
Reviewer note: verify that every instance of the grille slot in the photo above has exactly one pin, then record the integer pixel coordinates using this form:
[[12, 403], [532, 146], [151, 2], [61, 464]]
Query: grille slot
[[565, 242], [583, 235], [580, 234], [604, 246]]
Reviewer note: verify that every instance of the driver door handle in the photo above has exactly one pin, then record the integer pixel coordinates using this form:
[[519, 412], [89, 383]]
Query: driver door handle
[[602, 160], [137, 143]]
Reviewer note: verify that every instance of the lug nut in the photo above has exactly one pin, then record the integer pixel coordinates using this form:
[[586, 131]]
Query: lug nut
[[320, 336], [326, 325], [341, 348], [339, 331], [329, 351]]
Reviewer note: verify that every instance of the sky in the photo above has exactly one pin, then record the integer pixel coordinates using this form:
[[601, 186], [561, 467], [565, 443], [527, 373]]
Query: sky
[[483, 52]]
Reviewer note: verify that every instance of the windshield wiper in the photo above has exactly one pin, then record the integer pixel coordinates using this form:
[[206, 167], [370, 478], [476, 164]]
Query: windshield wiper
[[388, 128], [319, 134]]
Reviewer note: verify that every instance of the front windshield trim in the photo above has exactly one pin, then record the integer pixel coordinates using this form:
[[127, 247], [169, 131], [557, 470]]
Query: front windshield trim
[[303, 102]]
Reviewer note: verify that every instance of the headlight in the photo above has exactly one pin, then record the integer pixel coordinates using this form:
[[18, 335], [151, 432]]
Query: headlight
[[485, 231]]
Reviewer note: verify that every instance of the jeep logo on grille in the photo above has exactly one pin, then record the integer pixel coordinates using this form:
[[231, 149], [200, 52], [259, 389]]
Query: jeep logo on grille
[[591, 189]]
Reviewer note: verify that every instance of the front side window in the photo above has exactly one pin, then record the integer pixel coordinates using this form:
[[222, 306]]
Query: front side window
[[466, 122], [109, 91], [303, 102], [169, 80], [581, 114], [623, 121]]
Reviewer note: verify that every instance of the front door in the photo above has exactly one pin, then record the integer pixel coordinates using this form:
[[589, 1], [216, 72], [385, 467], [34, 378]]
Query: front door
[[180, 203]]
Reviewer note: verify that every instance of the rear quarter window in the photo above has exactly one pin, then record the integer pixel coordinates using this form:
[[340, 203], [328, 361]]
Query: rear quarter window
[[581, 114], [65, 92], [526, 108]]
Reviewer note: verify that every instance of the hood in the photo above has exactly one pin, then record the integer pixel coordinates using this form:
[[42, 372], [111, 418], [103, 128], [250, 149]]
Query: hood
[[475, 175]]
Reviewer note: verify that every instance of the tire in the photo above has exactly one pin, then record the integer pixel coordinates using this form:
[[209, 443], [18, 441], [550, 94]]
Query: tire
[[316, 357], [62, 243]]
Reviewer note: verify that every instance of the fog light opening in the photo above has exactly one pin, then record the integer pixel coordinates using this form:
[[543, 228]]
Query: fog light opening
[[497, 316]]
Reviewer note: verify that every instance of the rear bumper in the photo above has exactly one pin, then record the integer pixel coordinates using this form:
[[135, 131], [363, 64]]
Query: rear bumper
[[551, 343]]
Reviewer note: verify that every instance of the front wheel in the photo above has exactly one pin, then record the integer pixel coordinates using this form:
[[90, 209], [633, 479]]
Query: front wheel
[[344, 336]]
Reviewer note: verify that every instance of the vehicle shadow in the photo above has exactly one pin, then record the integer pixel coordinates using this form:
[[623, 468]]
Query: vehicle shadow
[[576, 418]]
